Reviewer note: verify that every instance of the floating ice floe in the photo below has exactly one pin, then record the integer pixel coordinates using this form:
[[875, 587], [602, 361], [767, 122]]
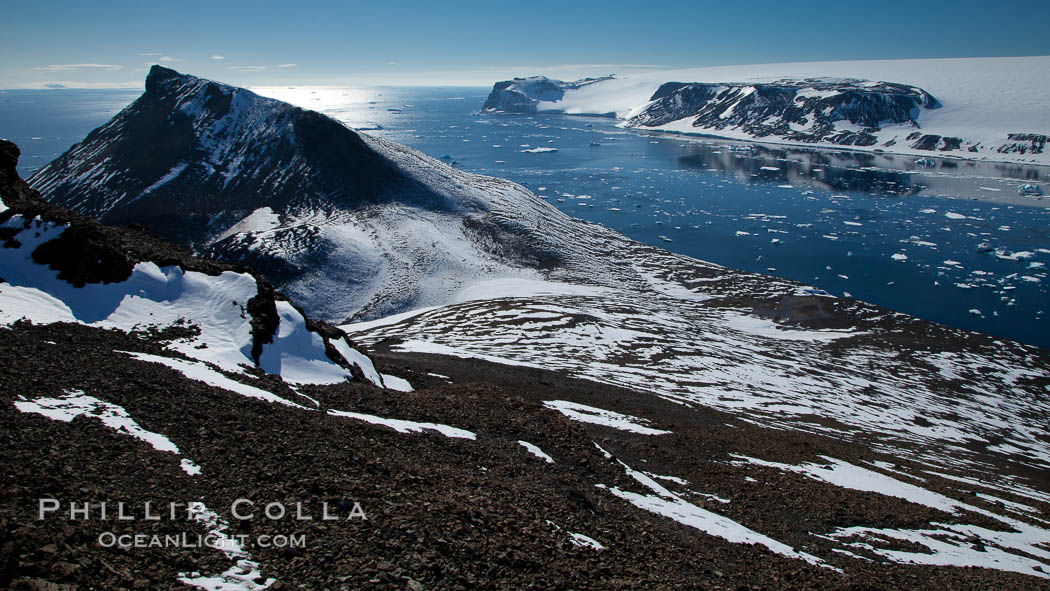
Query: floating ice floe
[[1029, 189]]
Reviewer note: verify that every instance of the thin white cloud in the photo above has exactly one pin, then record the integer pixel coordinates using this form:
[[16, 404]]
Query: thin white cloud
[[169, 59], [218, 57], [248, 68], [71, 67], [151, 54], [286, 66]]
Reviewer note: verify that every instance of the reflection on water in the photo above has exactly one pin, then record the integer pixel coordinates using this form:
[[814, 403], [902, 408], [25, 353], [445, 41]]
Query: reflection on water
[[848, 170], [832, 172]]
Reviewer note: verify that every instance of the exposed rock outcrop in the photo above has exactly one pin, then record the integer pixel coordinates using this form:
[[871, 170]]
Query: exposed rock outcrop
[[843, 112]]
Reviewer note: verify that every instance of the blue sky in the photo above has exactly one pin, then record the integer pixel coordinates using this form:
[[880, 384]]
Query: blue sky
[[111, 43]]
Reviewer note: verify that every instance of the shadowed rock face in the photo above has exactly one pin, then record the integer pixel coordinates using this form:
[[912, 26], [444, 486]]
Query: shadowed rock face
[[797, 110], [190, 155], [340, 220]]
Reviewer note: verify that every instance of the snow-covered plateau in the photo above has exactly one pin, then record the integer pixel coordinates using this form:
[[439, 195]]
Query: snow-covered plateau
[[975, 108]]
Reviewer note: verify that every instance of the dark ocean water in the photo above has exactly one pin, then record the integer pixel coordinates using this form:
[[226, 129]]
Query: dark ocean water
[[945, 240]]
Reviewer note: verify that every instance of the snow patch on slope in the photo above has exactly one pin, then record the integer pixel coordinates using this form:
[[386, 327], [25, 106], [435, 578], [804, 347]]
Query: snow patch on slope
[[156, 296], [536, 451], [260, 220], [585, 541], [76, 404], [200, 372], [298, 355], [395, 383], [360, 360], [668, 504], [402, 426], [605, 418], [244, 575], [947, 544]]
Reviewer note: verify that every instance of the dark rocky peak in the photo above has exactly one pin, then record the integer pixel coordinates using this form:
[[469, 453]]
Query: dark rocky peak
[[190, 157], [9, 154], [344, 222], [161, 78]]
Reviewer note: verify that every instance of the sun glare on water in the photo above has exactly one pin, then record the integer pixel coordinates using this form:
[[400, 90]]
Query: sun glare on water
[[356, 107]]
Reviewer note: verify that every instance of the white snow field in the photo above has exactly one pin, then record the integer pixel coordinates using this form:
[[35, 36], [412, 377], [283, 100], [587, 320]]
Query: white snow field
[[983, 99], [165, 296]]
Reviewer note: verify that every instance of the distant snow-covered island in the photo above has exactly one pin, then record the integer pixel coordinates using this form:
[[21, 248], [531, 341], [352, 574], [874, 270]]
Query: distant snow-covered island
[[973, 108]]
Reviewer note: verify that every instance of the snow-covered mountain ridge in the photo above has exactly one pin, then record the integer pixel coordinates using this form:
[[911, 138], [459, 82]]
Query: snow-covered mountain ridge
[[987, 108], [343, 222]]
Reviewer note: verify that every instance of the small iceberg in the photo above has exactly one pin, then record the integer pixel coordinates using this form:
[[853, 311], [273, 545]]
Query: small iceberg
[[1030, 189]]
